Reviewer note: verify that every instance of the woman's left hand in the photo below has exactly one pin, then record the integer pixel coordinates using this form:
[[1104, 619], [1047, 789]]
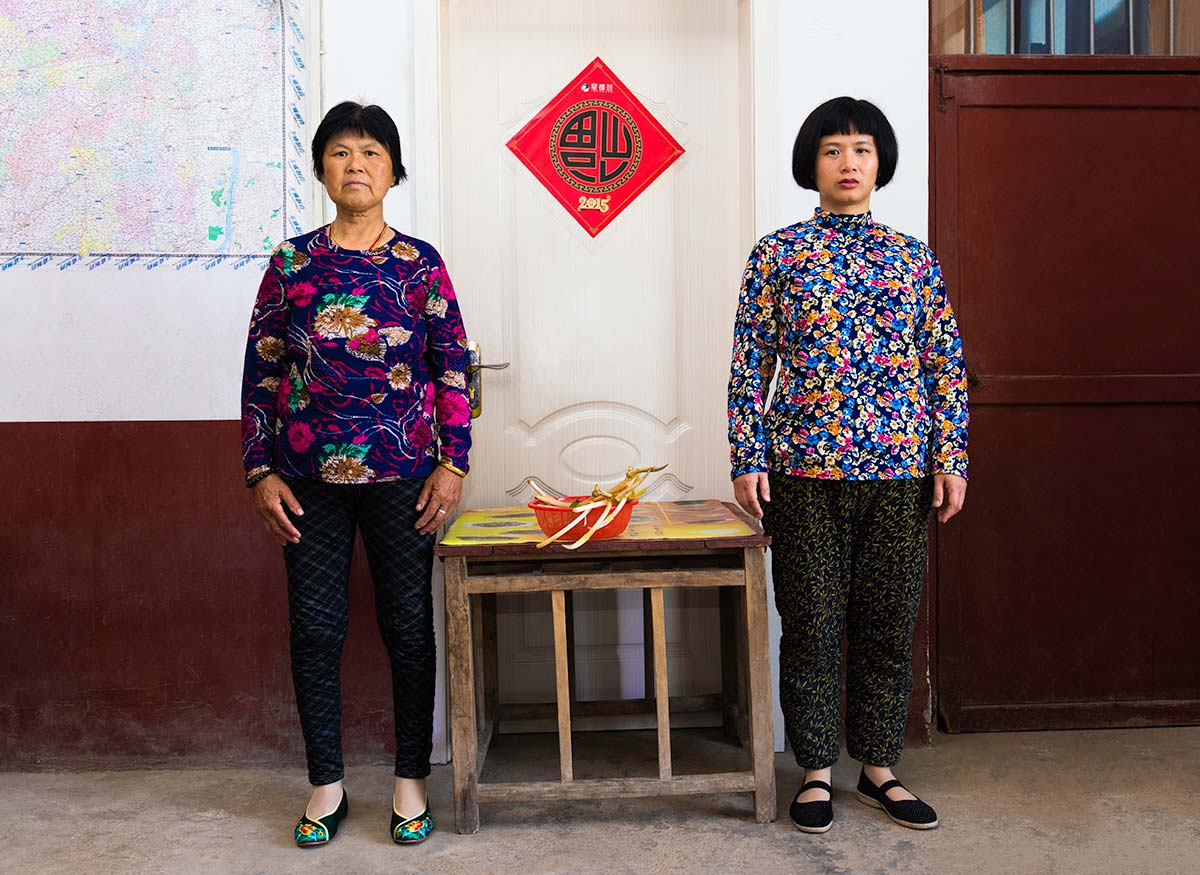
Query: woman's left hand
[[949, 493], [439, 498]]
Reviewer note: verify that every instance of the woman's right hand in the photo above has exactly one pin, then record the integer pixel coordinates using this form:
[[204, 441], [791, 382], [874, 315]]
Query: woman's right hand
[[748, 489], [270, 496]]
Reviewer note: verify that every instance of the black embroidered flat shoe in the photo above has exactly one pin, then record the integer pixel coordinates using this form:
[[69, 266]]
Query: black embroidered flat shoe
[[816, 816], [912, 813], [310, 833], [414, 830]]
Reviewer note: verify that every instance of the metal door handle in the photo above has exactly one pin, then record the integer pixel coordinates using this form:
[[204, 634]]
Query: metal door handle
[[475, 378]]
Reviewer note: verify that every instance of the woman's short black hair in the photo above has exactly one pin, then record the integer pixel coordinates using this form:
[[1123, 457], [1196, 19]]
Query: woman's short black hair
[[371, 121], [843, 115]]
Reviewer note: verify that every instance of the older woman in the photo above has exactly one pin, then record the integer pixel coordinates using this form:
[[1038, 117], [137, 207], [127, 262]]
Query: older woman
[[355, 417], [866, 430]]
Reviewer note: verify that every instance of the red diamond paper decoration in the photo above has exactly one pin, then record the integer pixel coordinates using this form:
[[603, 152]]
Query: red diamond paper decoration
[[595, 147]]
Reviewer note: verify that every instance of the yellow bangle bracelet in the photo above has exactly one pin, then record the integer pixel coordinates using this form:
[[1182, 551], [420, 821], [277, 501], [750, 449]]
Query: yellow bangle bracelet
[[453, 470]]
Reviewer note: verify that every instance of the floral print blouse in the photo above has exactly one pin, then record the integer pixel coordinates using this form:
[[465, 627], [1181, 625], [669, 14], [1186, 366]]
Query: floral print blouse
[[871, 384], [356, 364]]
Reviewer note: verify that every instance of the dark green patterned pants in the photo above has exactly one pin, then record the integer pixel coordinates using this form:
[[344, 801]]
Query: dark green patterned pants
[[847, 555]]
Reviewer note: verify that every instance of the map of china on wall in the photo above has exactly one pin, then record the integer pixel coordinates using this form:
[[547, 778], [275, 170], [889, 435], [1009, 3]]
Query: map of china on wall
[[147, 129]]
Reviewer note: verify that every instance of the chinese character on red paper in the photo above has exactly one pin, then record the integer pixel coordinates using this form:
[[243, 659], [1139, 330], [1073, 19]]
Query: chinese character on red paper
[[595, 154]]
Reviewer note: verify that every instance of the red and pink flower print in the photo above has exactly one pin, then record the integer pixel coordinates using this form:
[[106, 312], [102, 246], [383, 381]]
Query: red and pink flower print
[[301, 294], [367, 338], [300, 436], [453, 409]]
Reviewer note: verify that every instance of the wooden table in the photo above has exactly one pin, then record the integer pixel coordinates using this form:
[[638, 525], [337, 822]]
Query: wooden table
[[667, 544]]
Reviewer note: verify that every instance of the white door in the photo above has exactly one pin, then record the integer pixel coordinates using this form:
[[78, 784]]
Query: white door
[[619, 345]]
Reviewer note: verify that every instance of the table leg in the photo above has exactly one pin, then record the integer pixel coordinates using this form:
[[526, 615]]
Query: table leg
[[762, 735], [563, 685], [491, 659], [487, 678], [661, 695], [460, 659], [647, 645], [478, 663], [727, 601], [569, 607], [743, 670]]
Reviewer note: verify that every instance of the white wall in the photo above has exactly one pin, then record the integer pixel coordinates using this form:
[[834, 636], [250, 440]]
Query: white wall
[[876, 50], [373, 65]]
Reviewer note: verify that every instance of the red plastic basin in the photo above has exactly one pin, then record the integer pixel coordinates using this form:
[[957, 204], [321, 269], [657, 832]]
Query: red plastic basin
[[552, 519]]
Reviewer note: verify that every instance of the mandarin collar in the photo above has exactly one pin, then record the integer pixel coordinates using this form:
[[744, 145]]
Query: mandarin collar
[[846, 223]]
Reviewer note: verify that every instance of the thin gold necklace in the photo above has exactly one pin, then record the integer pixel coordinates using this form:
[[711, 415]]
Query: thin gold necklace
[[371, 248]]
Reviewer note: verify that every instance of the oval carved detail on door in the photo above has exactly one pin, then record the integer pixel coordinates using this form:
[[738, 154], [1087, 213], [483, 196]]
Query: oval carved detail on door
[[599, 457]]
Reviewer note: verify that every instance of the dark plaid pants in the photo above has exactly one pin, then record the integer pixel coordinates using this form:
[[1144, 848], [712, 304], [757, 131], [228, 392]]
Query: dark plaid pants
[[318, 568], [847, 555]]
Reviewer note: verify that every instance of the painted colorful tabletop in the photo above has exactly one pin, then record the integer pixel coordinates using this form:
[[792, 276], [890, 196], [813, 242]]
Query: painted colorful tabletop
[[653, 525]]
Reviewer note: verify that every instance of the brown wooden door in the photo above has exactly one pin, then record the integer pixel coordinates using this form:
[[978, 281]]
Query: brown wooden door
[[1066, 195]]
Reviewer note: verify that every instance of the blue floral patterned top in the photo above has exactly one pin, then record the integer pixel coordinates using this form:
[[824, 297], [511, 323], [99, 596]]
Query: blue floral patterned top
[[355, 365], [871, 384]]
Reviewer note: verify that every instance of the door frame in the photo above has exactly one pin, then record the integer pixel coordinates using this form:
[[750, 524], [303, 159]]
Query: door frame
[[758, 25]]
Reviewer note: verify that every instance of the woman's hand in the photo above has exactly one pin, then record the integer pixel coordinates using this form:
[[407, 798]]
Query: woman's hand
[[271, 494], [439, 497], [748, 488], [949, 493]]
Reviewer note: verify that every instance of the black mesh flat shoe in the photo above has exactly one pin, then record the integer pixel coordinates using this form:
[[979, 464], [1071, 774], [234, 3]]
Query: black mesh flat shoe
[[912, 813], [814, 816]]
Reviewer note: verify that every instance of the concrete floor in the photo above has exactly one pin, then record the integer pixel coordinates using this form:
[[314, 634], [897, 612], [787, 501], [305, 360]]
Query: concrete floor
[[1116, 802]]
